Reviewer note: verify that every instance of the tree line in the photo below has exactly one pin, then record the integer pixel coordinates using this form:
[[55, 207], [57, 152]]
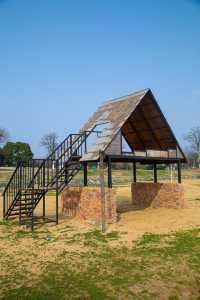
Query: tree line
[[13, 152]]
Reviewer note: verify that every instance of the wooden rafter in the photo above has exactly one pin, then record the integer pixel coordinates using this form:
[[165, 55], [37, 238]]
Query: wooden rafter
[[149, 126], [137, 134]]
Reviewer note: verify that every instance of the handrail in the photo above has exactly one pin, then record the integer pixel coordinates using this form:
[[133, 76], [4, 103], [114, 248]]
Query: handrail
[[11, 178], [66, 150], [71, 134]]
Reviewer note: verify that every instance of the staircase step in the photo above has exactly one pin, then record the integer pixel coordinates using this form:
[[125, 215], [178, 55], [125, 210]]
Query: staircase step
[[16, 214], [24, 205], [22, 210], [26, 197]]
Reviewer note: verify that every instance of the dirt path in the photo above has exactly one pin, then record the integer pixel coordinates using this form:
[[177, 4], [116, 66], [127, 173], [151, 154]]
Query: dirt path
[[136, 223]]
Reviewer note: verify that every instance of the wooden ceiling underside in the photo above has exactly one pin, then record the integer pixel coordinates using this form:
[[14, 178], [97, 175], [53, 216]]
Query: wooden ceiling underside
[[147, 128]]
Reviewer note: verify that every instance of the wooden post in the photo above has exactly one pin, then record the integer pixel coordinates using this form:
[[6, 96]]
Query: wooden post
[[179, 171], [134, 172], [109, 172], [155, 173], [85, 179], [102, 187]]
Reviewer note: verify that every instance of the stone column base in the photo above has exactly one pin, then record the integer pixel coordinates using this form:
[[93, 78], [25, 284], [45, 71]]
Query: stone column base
[[169, 195], [85, 202]]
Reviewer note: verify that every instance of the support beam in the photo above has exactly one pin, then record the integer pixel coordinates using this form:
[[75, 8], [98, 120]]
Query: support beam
[[43, 207], [66, 174], [134, 172], [109, 172], [102, 188], [85, 173], [179, 171], [155, 173]]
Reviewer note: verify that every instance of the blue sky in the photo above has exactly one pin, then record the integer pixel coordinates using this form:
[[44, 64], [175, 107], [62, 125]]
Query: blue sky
[[60, 59]]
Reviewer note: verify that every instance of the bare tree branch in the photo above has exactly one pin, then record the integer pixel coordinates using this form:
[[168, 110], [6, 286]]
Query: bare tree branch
[[193, 137], [49, 142]]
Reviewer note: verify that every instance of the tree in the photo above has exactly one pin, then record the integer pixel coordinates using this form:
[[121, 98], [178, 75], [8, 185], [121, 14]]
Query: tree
[[193, 137], [49, 142], [2, 158], [15, 152], [192, 158], [3, 135]]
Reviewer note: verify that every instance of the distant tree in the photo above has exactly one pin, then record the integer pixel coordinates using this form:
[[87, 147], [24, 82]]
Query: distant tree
[[15, 152], [193, 137], [49, 142], [2, 158], [3, 135]]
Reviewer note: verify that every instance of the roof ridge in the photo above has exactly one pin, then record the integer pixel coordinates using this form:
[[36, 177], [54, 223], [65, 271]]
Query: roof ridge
[[126, 96]]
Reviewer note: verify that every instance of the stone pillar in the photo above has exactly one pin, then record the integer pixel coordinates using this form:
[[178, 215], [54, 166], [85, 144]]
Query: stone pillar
[[147, 194]]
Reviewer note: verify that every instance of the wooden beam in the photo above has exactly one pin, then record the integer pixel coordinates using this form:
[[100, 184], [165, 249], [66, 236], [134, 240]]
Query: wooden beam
[[102, 188], [109, 172], [155, 173], [85, 173], [179, 171], [137, 134], [134, 172], [149, 130]]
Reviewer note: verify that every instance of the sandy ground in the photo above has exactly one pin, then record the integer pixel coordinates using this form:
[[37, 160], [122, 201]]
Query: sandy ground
[[137, 222]]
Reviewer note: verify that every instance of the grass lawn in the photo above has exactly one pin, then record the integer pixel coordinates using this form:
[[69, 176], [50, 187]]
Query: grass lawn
[[65, 264], [148, 254]]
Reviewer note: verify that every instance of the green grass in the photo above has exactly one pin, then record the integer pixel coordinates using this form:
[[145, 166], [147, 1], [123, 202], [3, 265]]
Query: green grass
[[155, 267]]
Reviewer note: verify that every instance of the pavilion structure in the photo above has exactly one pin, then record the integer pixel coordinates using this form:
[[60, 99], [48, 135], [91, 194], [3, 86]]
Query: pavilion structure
[[137, 121]]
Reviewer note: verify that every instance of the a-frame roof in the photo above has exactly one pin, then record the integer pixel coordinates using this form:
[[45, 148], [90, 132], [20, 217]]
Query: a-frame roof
[[140, 121]]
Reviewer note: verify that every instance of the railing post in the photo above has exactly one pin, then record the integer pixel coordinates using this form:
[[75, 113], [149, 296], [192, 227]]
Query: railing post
[[4, 205], [32, 196], [20, 193], [179, 171], [85, 136], [57, 191], [43, 184], [70, 144]]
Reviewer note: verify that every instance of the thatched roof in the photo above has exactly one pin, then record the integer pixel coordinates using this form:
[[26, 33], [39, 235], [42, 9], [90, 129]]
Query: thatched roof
[[140, 120]]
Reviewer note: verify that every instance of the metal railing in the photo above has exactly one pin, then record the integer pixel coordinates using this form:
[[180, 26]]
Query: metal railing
[[42, 174]]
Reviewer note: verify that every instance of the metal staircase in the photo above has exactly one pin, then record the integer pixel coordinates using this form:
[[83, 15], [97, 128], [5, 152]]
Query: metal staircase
[[31, 180]]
